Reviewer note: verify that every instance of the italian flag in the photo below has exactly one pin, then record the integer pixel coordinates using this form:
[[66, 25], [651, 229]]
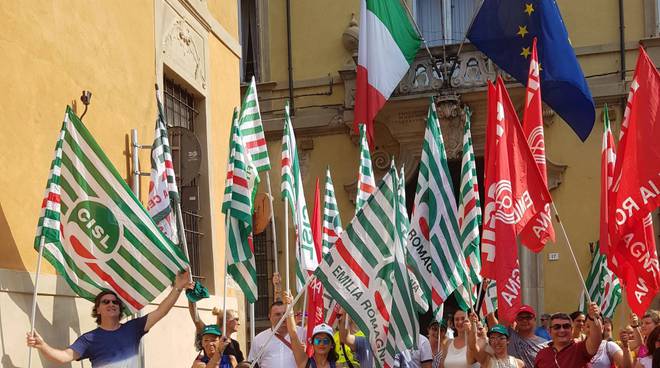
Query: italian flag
[[388, 44]]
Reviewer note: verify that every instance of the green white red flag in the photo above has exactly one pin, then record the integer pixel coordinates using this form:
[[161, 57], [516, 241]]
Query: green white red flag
[[95, 232], [163, 192], [388, 45], [634, 192], [292, 192], [331, 230], [252, 130], [535, 236], [469, 217], [366, 183], [434, 240], [603, 286], [242, 182], [366, 273]]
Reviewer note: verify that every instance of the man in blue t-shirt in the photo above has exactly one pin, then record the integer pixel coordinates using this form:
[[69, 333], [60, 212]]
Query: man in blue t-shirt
[[111, 344]]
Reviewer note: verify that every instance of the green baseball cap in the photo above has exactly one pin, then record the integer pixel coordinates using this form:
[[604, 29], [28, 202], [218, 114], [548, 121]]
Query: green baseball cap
[[500, 329], [211, 330]]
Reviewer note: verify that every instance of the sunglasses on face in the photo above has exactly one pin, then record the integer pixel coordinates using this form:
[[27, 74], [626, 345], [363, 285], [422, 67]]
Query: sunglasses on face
[[524, 317], [497, 338], [108, 301], [565, 326], [321, 341]]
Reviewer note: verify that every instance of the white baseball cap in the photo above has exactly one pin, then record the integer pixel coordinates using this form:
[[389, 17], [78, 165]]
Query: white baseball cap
[[322, 328]]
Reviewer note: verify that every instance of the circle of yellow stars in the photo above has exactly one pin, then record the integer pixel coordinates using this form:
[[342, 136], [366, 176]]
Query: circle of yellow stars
[[522, 31]]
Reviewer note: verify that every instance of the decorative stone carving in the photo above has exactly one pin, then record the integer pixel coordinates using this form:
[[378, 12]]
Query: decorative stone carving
[[184, 49], [350, 36], [555, 173], [452, 120]]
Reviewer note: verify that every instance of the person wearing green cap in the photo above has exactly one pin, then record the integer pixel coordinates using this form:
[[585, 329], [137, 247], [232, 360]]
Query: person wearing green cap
[[213, 347], [496, 353]]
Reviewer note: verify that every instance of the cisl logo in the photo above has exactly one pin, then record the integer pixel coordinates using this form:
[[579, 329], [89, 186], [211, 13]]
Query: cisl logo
[[92, 230]]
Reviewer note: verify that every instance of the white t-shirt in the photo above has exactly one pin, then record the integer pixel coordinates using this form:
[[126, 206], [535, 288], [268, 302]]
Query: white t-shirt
[[415, 358], [277, 354]]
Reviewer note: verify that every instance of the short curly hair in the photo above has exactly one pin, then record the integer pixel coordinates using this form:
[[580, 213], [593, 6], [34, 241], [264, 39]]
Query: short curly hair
[[97, 302]]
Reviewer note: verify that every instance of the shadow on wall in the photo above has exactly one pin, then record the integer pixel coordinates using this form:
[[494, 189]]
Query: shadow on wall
[[10, 257], [19, 289]]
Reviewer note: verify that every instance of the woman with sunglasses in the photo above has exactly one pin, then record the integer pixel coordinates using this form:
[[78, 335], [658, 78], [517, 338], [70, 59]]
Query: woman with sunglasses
[[323, 344], [496, 353], [437, 339]]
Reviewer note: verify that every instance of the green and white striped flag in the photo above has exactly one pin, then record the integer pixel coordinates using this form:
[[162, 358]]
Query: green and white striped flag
[[604, 287], [469, 218], [95, 232], [331, 220], [252, 130], [242, 184], [163, 192], [226, 200], [434, 240], [366, 273], [366, 183], [292, 191], [489, 295]]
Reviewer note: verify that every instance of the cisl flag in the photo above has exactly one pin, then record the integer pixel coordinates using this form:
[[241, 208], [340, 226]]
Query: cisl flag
[[635, 190], [515, 194]]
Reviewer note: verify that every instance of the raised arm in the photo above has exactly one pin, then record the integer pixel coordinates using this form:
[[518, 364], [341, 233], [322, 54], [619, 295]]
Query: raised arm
[[345, 335], [56, 355], [297, 347], [595, 329], [623, 359], [475, 352], [199, 325], [181, 282]]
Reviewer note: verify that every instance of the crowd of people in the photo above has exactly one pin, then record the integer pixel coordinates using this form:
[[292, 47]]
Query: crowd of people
[[561, 340]]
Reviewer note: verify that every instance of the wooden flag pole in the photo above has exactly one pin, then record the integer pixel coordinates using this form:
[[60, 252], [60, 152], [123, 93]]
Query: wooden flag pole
[[289, 309], [570, 248], [34, 295]]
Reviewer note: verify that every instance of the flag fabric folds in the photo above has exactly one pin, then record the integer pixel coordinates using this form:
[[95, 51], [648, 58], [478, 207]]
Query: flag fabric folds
[[469, 217], [607, 162], [434, 240], [242, 184], [95, 232], [331, 219], [388, 45], [252, 130], [534, 237], [292, 192], [366, 272], [504, 29], [515, 193], [635, 192], [366, 182], [163, 192], [603, 286], [315, 294]]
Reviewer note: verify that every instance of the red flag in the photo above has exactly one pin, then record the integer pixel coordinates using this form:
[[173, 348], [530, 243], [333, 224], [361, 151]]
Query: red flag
[[607, 162], [535, 236], [635, 190], [515, 194], [315, 314]]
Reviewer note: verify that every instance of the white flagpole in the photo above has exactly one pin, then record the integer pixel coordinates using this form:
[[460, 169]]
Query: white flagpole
[[289, 308], [272, 223], [136, 190], [252, 327], [34, 295], [286, 244], [304, 309], [224, 290], [570, 248]]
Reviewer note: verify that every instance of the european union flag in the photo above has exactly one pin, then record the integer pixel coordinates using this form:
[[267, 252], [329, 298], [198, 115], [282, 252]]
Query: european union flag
[[504, 30]]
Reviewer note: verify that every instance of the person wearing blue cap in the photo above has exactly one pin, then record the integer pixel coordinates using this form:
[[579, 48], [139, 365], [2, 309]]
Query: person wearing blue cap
[[213, 347], [496, 353]]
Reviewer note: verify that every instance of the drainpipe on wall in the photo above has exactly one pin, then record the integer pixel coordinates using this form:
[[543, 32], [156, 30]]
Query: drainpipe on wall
[[622, 56], [289, 57]]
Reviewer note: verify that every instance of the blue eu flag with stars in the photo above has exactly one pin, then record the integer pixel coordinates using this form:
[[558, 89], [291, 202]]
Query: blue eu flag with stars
[[504, 30]]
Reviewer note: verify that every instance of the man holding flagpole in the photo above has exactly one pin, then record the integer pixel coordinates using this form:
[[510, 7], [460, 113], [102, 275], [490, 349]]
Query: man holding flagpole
[[111, 344]]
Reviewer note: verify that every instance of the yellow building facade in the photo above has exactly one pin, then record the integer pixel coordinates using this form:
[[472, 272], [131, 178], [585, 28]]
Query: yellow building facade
[[118, 50], [323, 37]]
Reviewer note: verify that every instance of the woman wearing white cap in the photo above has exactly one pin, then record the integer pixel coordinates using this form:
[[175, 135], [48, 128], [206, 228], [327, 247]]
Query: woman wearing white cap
[[324, 355]]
